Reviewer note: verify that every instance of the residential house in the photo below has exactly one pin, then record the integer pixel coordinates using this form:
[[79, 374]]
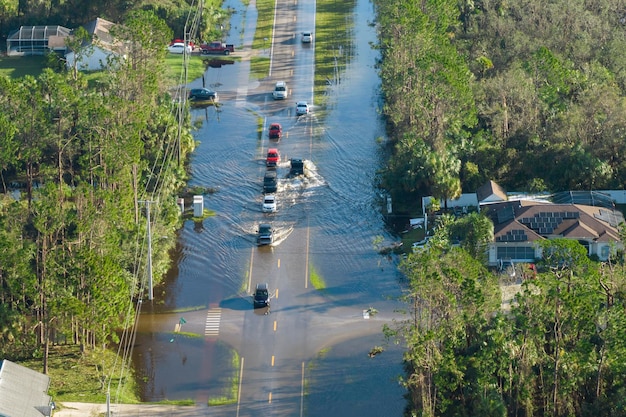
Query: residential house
[[520, 225], [97, 54]]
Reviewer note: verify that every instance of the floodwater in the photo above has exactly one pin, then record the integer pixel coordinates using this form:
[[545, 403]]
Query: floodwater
[[338, 202]]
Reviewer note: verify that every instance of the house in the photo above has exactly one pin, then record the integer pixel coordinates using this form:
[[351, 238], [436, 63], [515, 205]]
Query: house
[[98, 54], [37, 40], [520, 225], [23, 392]]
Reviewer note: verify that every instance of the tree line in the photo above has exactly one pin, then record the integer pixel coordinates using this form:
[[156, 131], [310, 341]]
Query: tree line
[[85, 158], [207, 25], [529, 94]]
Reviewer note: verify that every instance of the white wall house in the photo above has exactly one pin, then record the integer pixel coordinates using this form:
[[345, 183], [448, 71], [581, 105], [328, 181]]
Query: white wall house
[[102, 52]]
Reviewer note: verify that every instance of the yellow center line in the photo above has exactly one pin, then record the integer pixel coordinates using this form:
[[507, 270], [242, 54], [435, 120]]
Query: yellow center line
[[272, 360], [274, 325], [270, 398]]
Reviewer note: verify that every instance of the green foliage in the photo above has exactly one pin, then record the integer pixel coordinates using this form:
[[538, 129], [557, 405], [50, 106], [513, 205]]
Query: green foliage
[[530, 93], [564, 336], [68, 260]]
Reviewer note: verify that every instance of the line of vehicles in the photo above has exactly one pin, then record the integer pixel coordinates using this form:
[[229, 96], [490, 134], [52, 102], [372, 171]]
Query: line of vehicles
[[265, 236]]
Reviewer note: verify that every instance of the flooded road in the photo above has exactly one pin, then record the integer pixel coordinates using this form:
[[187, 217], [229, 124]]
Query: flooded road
[[337, 204]]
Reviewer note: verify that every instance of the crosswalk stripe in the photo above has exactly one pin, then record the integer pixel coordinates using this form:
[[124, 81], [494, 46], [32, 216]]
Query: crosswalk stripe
[[212, 325]]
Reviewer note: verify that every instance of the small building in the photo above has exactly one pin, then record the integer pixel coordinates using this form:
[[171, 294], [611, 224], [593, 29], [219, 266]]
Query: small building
[[490, 192], [37, 40], [23, 392], [102, 50]]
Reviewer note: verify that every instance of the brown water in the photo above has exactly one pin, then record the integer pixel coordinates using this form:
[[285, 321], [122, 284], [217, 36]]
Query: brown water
[[341, 207]]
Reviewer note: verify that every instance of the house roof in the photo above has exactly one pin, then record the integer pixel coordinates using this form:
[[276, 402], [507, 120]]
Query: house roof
[[521, 221], [23, 392], [100, 29], [491, 192]]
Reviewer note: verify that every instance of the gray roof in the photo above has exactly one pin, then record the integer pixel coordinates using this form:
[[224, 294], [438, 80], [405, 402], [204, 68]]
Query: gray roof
[[23, 392]]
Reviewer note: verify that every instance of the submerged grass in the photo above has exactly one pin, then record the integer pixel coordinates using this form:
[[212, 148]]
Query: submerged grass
[[316, 279], [232, 387]]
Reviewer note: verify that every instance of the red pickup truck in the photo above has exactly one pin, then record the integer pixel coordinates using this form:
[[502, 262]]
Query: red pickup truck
[[217, 48]]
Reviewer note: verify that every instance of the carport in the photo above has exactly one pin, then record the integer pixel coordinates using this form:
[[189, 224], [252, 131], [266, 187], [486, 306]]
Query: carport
[[37, 40]]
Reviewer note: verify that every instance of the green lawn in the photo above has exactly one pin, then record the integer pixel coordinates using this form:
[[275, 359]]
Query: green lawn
[[20, 66]]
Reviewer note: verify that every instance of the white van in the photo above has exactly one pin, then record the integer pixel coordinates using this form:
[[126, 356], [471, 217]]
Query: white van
[[280, 91]]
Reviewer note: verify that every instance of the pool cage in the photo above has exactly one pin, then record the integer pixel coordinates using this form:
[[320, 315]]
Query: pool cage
[[37, 40]]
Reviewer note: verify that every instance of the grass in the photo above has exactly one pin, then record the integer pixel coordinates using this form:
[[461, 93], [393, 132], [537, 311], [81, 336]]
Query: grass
[[316, 279], [233, 386], [84, 377], [20, 66], [333, 45]]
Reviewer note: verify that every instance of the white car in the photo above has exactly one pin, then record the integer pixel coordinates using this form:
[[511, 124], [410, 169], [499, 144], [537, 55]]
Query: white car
[[302, 108], [280, 91], [269, 203], [307, 37], [178, 48]]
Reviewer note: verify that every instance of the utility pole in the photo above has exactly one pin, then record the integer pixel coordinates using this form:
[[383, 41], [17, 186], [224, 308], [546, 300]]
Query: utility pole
[[149, 233]]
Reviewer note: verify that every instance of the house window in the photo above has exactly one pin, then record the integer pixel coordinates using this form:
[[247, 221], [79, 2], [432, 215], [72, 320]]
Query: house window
[[516, 252], [604, 252]]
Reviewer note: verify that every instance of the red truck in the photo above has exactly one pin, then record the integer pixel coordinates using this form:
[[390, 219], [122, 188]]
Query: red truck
[[217, 48]]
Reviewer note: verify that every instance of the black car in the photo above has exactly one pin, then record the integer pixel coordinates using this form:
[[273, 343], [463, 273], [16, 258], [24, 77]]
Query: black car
[[265, 235], [270, 182], [261, 296], [202, 94], [297, 167]]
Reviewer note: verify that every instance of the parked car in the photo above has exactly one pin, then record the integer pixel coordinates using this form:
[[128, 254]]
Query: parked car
[[275, 131], [270, 182], [307, 37], [265, 234], [261, 295], [280, 91], [217, 47], [296, 167], [202, 94], [273, 157], [179, 48], [269, 203], [507, 267], [302, 108]]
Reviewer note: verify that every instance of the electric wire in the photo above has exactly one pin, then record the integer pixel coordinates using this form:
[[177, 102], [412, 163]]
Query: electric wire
[[178, 109]]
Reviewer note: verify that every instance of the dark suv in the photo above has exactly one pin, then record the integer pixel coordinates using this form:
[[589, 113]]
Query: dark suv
[[261, 296], [270, 182], [265, 234], [297, 167]]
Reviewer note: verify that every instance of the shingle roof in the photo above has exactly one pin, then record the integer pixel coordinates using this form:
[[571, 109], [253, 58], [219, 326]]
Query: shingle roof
[[528, 221], [490, 189], [23, 392]]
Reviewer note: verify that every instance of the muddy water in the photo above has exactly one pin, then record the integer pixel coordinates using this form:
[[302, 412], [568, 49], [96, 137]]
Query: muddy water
[[340, 204]]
